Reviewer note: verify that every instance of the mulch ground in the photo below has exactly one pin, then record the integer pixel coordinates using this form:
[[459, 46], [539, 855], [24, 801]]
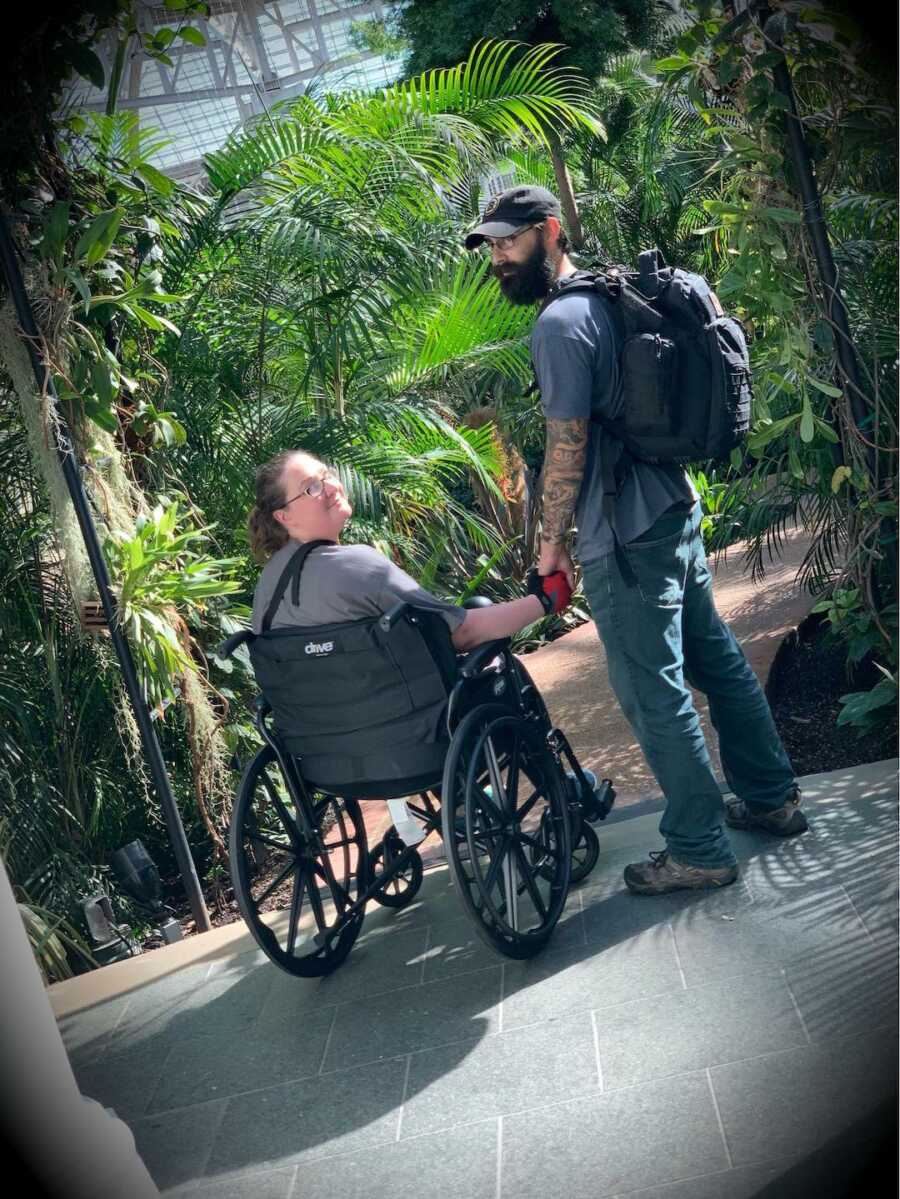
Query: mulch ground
[[808, 677]]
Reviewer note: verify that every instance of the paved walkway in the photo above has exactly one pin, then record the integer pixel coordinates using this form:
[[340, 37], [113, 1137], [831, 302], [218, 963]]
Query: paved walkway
[[707, 1046], [695, 1046]]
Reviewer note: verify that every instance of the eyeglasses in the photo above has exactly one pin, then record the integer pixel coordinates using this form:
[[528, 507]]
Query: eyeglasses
[[506, 243], [313, 488]]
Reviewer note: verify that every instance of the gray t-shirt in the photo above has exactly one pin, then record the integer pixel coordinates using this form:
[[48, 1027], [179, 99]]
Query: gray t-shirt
[[575, 351], [343, 582]]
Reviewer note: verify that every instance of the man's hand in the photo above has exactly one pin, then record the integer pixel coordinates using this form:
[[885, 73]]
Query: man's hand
[[556, 557], [552, 590]]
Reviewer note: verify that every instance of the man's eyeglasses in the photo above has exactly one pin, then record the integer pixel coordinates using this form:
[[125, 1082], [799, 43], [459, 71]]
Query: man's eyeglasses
[[313, 487], [506, 243]]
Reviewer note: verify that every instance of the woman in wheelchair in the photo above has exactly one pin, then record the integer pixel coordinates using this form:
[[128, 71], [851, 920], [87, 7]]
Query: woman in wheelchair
[[374, 688], [300, 500]]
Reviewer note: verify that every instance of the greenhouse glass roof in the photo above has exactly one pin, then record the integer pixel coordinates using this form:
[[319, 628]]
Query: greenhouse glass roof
[[256, 52]]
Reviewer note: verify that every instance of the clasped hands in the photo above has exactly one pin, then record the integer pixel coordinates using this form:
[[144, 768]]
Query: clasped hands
[[553, 590]]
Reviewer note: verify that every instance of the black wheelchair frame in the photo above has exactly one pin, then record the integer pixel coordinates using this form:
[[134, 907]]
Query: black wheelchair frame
[[512, 860]]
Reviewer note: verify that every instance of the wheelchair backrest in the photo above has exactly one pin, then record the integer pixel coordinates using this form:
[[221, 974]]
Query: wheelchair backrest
[[345, 678], [342, 693]]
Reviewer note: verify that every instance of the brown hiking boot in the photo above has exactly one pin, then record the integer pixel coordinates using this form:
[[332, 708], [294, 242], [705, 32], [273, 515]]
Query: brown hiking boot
[[785, 821], [664, 873]]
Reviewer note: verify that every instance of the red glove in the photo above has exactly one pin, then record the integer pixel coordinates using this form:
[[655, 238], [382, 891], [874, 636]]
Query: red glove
[[552, 590]]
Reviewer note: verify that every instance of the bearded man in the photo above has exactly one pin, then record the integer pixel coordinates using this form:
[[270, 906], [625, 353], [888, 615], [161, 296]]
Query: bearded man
[[644, 569]]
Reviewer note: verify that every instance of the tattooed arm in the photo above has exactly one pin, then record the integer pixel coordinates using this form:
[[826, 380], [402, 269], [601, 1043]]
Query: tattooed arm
[[564, 461]]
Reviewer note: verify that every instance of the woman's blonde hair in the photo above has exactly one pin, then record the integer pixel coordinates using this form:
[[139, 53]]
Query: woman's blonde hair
[[265, 533]]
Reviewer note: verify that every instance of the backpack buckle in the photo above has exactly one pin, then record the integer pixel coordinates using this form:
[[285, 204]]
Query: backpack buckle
[[613, 283]]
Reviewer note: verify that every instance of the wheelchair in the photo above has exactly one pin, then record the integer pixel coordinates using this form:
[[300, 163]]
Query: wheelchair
[[499, 783]]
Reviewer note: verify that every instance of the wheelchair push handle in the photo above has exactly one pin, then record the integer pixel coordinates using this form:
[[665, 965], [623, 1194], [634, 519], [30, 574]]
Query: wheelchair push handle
[[390, 618], [230, 644]]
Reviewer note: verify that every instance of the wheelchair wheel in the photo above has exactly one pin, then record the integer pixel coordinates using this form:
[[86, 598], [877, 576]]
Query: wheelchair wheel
[[292, 885], [404, 886], [501, 781]]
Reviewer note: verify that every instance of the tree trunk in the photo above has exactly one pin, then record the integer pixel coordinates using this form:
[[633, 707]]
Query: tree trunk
[[571, 219], [38, 418]]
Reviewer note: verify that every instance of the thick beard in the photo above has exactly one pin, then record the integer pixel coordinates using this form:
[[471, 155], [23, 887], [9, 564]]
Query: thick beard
[[528, 281]]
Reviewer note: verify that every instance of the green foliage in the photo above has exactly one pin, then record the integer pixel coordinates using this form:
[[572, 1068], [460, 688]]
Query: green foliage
[[863, 631], [867, 635], [158, 571], [52, 43], [866, 709], [133, 37], [815, 459], [717, 502], [50, 937], [102, 252], [646, 183], [71, 790], [378, 35]]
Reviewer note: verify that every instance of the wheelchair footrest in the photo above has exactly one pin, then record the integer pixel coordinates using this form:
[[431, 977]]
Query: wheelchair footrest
[[600, 804]]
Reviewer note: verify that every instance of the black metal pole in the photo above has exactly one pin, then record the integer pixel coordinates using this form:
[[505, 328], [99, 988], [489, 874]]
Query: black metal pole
[[72, 475]]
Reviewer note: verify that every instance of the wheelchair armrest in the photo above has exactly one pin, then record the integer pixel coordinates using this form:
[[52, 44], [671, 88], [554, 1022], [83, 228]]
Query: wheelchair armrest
[[227, 648], [390, 618], [476, 661]]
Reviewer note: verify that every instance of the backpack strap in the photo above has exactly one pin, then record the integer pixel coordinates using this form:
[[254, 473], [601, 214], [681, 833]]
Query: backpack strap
[[600, 283], [290, 573], [650, 264], [595, 281], [607, 284]]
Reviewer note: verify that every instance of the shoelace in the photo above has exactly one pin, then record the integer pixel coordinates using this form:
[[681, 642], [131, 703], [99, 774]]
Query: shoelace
[[658, 858]]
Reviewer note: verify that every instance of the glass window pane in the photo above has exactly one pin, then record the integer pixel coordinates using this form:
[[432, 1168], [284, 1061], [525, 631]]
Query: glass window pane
[[293, 34], [194, 128]]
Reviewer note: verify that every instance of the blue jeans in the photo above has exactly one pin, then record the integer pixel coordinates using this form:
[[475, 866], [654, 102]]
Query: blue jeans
[[661, 631]]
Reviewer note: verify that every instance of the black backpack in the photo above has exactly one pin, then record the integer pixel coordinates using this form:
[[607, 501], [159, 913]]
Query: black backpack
[[684, 362]]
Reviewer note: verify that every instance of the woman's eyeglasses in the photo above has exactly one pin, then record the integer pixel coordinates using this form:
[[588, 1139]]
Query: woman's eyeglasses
[[313, 488]]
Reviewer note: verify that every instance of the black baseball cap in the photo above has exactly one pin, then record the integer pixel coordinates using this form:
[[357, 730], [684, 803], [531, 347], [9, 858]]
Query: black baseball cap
[[508, 212]]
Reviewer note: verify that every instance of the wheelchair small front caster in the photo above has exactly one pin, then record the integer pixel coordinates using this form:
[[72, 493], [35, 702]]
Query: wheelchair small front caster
[[403, 887], [585, 852]]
